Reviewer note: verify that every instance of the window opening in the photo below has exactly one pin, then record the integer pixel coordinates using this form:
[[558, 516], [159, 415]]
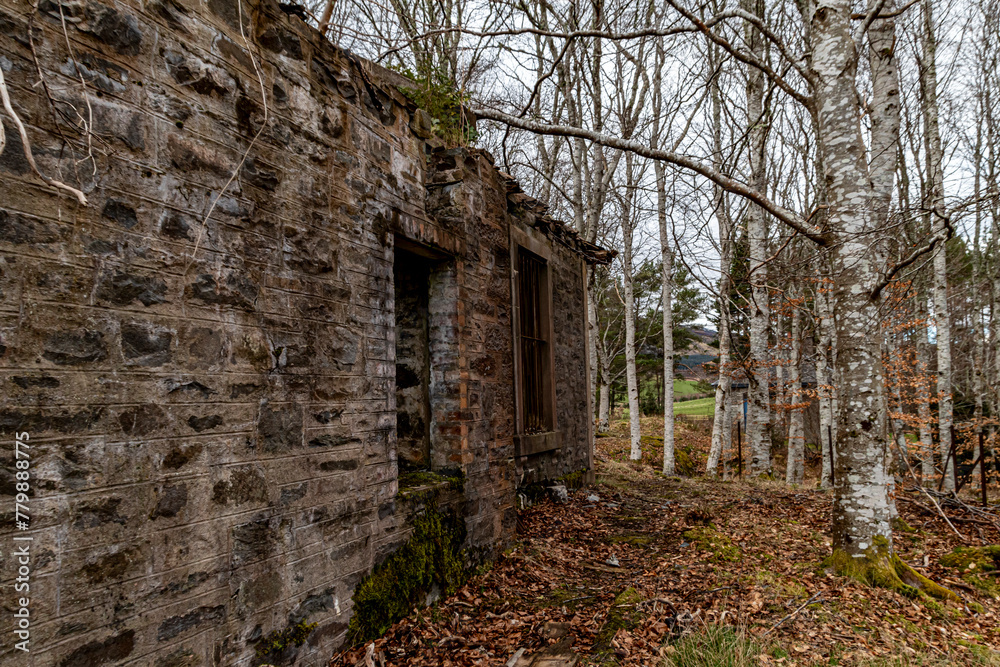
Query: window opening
[[534, 343]]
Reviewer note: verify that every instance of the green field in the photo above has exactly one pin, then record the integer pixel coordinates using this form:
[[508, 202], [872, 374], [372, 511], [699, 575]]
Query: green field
[[685, 387], [701, 406]]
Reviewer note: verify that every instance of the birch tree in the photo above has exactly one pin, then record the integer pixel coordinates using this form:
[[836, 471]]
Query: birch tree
[[758, 432], [862, 533], [795, 468], [934, 204], [667, 263], [722, 421], [628, 230]]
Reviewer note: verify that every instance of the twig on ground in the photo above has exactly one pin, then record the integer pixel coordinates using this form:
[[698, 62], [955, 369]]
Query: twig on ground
[[913, 475], [801, 607]]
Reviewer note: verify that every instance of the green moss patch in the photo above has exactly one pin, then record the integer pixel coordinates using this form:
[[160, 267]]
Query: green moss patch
[[709, 539], [881, 567], [988, 586], [683, 463], [574, 480], [432, 556], [632, 540], [973, 559], [422, 479], [570, 598], [277, 642], [622, 615], [437, 94]]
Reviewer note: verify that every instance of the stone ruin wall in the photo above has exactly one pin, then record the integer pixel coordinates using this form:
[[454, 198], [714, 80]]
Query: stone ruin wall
[[211, 405]]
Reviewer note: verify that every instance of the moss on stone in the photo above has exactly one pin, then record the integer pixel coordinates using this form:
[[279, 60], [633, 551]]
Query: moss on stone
[[899, 525], [683, 463], [973, 559], [432, 556], [574, 480], [419, 479], [880, 566], [621, 616], [634, 540], [988, 586], [709, 539], [277, 642]]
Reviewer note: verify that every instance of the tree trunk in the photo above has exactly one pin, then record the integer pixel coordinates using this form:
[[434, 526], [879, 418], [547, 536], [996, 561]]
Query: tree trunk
[[722, 423], [861, 513], [628, 295], [667, 266], [883, 160], [593, 334], [824, 380], [604, 404], [924, 415], [780, 361], [935, 205], [979, 336], [758, 435], [795, 468], [667, 259]]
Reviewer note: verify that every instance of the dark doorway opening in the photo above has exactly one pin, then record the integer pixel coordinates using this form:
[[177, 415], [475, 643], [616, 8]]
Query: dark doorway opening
[[411, 276]]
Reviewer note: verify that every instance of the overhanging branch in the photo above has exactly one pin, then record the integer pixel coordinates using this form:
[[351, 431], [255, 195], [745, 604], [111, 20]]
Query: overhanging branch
[[784, 215], [912, 257]]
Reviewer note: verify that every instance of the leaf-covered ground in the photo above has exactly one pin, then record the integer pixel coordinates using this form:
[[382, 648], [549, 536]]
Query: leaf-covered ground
[[625, 578]]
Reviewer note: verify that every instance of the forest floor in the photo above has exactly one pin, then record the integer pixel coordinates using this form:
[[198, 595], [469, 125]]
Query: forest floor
[[681, 572]]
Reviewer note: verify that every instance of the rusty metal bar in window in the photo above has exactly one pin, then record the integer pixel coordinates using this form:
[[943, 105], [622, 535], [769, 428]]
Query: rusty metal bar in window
[[533, 343]]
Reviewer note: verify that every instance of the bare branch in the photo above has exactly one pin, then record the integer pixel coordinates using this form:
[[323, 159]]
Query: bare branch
[[786, 216], [912, 257], [747, 58], [26, 143]]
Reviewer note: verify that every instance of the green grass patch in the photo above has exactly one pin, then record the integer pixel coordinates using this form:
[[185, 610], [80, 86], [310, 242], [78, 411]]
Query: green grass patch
[[701, 406], [685, 387], [717, 646]]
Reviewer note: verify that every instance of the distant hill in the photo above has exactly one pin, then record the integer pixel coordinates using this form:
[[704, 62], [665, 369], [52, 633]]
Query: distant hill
[[705, 334], [701, 345]]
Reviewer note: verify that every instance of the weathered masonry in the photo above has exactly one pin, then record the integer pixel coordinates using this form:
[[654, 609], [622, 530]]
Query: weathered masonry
[[242, 396]]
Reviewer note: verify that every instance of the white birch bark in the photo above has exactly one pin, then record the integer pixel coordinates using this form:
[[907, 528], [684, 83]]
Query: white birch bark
[[979, 335], [861, 514], [632, 379], [824, 379], [758, 435], [795, 468], [924, 415], [604, 402], [667, 266], [883, 160], [935, 204], [722, 424], [668, 332]]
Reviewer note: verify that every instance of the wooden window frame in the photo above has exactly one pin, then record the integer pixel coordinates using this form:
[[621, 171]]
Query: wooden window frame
[[548, 437]]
